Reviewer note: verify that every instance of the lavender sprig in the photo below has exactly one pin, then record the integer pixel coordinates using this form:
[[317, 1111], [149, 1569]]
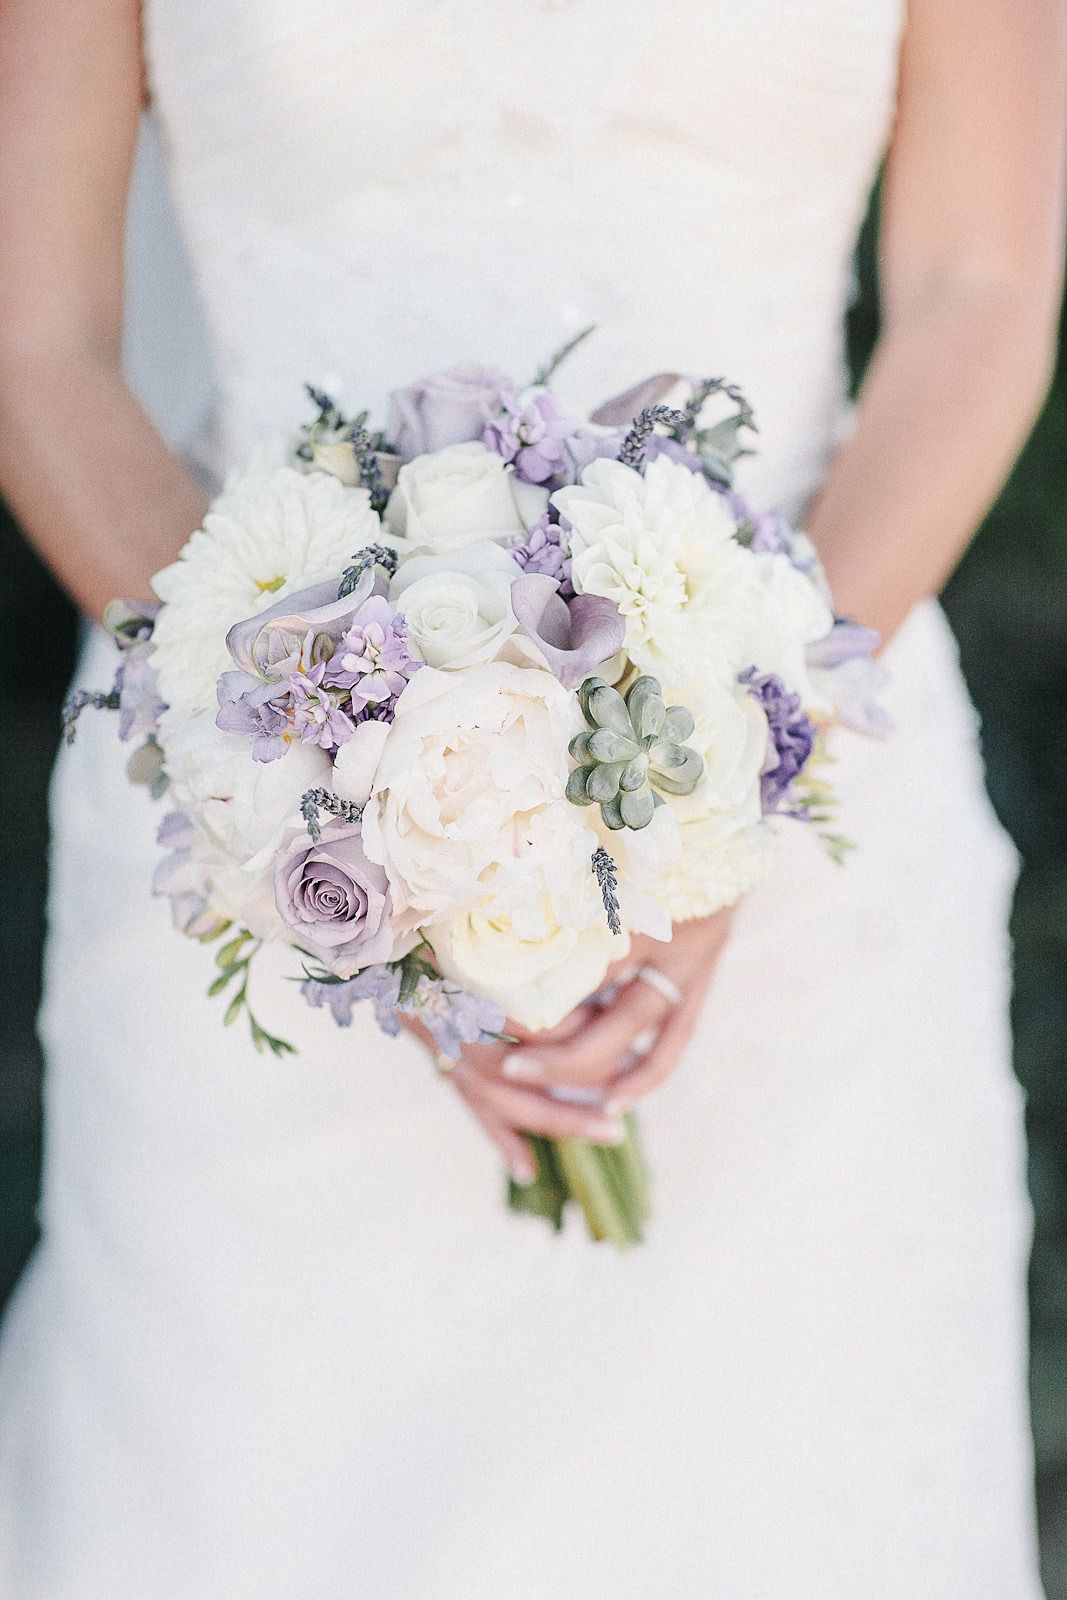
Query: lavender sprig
[[632, 453], [372, 555], [80, 701], [316, 800], [701, 394], [355, 433], [607, 876]]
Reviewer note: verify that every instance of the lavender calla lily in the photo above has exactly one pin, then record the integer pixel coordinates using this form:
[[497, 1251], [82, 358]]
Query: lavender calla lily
[[621, 409], [269, 645], [574, 639]]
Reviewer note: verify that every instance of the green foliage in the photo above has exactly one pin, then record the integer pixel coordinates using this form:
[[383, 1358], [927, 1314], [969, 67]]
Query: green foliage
[[234, 960]]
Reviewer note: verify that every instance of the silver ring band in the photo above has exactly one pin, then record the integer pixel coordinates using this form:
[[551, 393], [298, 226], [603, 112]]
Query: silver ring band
[[665, 987]]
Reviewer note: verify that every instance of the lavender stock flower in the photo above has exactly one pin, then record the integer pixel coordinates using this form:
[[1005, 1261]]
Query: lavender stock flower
[[373, 661], [318, 714], [791, 737], [530, 430], [543, 552]]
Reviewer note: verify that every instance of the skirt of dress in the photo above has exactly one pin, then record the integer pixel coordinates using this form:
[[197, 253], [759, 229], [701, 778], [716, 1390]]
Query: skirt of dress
[[282, 1341]]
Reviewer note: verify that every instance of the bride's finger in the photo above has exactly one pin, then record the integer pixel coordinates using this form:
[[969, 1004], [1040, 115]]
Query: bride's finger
[[536, 1113], [518, 1157], [595, 1055], [656, 1067]]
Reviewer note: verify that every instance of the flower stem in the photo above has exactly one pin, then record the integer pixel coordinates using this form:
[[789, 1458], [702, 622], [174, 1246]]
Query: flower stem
[[608, 1183]]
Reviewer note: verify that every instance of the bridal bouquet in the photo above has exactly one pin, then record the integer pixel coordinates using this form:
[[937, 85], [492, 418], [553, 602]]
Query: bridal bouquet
[[456, 709]]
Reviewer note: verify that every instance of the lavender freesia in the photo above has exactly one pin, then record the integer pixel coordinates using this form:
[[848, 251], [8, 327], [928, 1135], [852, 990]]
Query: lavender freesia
[[451, 1015], [843, 666], [182, 879]]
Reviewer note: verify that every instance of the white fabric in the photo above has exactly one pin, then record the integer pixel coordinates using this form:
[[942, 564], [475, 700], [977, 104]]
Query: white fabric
[[282, 1341]]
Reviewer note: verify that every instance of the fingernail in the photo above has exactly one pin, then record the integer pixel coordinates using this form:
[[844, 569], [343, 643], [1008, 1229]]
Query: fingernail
[[614, 1108], [522, 1175], [605, 1132], [527, 1069]]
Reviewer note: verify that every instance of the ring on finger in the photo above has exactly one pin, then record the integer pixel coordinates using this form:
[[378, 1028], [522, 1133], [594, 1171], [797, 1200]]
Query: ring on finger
[[665, 987]]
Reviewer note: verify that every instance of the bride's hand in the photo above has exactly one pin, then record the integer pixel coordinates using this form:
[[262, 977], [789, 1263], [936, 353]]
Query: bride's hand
[[629, 1046], [656, 996]]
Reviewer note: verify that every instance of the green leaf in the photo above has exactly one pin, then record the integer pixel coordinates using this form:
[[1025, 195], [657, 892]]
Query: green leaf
[[233, 1010], [636, 808], [678, 724], [577, 792], [603, 781], [612, 815], [607, 745], [645, 707], [221, 981], [227, 956], [410, 974]]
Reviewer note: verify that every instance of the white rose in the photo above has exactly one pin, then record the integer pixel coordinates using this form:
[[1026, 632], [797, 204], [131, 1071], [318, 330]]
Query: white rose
[[535, 938], [661, 545], [461, 495], [458, 606], [469, 756]]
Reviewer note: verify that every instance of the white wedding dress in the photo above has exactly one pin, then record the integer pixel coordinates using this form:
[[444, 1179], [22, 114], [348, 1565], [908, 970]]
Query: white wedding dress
[[281, 1340]]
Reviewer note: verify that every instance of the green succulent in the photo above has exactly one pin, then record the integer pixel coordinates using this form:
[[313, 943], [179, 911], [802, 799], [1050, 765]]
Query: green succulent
[[633, 754]]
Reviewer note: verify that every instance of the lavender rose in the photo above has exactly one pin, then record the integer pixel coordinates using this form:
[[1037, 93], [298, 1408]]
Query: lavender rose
[[334, 901], [450, 407]]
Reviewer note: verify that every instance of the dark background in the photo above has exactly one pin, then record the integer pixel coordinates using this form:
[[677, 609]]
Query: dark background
[[1007, 605]]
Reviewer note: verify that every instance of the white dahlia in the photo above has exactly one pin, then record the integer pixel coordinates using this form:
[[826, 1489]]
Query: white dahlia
[[268, 535], [661, 545]]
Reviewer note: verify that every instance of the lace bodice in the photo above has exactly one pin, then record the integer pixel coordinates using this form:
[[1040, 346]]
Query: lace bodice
[[369, 191]]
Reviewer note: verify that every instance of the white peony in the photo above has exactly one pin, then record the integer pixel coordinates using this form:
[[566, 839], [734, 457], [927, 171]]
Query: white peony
[[268, 534], [661, 545], [458, 606], [459, 496], [243, 810], [535, 937], [468, 759]]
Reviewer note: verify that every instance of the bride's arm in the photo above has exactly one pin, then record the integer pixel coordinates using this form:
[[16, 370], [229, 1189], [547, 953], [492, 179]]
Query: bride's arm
[[81, 466], [970, 268], [972, 242]]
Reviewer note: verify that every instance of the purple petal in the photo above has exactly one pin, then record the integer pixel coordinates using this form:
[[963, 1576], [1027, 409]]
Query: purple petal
[[621, 410], [574, 639]]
